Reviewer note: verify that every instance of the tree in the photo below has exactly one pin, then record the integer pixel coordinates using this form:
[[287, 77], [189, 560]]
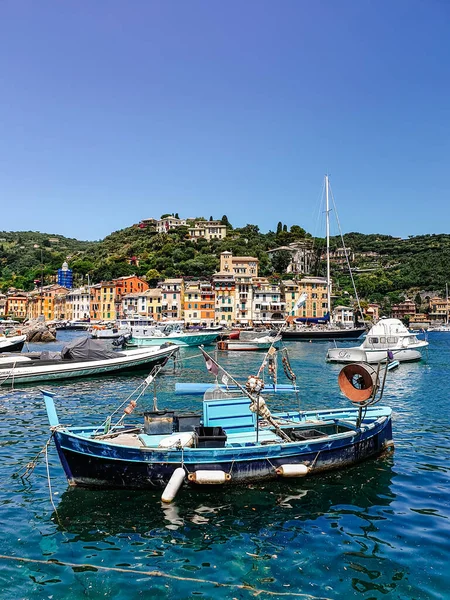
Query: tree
[[298, 232], [224, 220], [176, 216], [152, 276], [285, 228], [279, 227], [418, 301], [211, 219], [281, 260]]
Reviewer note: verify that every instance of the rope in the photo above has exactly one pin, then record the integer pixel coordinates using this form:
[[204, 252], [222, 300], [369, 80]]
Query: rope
[[30, 466], [162, 574]]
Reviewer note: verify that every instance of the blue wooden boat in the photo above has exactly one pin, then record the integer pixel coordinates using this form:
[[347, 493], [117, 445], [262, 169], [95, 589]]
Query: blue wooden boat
[[236, 439]]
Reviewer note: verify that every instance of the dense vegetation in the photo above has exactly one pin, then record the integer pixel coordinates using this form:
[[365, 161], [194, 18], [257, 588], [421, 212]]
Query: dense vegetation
[[385, 268]]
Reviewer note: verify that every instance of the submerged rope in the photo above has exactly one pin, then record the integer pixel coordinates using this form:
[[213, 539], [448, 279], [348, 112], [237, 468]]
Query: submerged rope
[[239, 586]]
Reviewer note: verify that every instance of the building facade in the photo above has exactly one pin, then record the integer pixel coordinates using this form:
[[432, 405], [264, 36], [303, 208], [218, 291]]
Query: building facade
[[172, 291], [225, 297], [315, 289], [208, 230], [268, 306]]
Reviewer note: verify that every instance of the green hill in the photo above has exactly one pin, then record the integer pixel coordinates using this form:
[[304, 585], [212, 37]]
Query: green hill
[[382, 265]]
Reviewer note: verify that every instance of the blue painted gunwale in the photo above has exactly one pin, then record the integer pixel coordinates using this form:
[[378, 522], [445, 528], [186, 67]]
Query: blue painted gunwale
[[98, 463]]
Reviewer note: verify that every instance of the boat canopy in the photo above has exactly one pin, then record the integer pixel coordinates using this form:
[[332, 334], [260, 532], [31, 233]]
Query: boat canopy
[[87, 349], [324, 319]]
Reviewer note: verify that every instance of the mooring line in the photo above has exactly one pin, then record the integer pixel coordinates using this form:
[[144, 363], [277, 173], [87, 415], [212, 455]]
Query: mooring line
[[240, 586]]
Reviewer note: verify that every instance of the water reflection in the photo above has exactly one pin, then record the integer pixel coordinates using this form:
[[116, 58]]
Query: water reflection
[[91, 513]]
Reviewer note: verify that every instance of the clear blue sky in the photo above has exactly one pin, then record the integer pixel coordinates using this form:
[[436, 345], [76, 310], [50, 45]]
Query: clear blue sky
[[113, 111]]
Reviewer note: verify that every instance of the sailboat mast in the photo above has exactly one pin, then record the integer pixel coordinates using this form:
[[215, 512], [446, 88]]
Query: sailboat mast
[[446, 303], [327, 210]]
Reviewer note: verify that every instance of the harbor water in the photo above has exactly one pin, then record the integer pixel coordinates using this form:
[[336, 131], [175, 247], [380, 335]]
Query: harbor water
[[380, 529]]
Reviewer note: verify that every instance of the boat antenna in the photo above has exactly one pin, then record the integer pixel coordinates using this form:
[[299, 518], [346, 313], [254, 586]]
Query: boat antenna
[[346, 254]]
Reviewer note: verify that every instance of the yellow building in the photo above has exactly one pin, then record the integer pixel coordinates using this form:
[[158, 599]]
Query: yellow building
[[152, 303], [208, 230], [42, 301], [316, 297], [108, 301], [239, 265], [16, 306], [439, 309], [290, 294]]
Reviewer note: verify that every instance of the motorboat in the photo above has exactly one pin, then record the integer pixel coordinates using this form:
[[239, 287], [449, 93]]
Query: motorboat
[[82, 358], [251, 344], [102, 331], [151, 336], [12, 343], [388, 338], [321, 332], [234, 440]]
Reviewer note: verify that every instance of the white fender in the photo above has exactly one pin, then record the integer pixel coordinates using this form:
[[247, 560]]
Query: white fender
[[184, 439], [174, 484], [209, 477], [299, 470]]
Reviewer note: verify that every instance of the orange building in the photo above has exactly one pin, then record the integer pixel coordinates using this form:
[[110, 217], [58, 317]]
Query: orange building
[[16, 306], [199, 302], [42, 301], [129, 284]]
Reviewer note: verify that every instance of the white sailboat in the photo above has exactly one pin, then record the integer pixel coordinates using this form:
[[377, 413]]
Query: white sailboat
[[323, 328]]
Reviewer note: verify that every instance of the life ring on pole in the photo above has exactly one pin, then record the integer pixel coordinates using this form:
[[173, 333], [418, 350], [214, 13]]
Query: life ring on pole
[[358, 382]]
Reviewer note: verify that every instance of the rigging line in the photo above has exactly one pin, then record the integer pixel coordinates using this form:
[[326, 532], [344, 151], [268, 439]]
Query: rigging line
[[50, 487], [346, 254], [162, 574]]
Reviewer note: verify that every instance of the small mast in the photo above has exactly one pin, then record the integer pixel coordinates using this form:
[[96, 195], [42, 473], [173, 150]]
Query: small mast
[[327, 210]]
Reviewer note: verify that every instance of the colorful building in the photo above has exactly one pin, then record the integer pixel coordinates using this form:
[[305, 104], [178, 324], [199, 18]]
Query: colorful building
[[268, 305], [65, 276], [107, 310], [151, 300], [208, 230], [225, 297], [78, 304], [16, 305], [316, 297], [129, 284], [42, 301], [172, 291]]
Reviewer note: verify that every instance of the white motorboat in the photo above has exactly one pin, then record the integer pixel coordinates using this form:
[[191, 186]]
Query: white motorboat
[[82, 358], [151, 336], [108, 332], [12, 343], [246, 345], [389, 338]]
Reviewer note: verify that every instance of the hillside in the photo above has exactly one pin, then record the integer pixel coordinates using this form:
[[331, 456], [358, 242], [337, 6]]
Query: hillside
[[382, 265]]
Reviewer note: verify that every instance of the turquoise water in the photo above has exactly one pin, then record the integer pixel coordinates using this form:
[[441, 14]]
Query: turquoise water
[[378, 530]]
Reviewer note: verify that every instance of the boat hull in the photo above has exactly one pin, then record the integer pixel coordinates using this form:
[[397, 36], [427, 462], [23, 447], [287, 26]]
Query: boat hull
[[13, 344], [350, 355], [93, 463], [67, 370], [323, 334], [244, 346], [190, 339]]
